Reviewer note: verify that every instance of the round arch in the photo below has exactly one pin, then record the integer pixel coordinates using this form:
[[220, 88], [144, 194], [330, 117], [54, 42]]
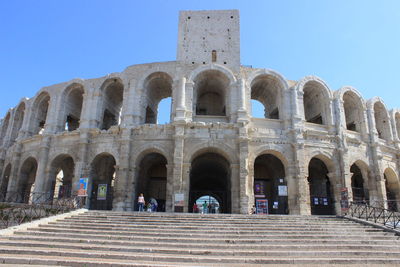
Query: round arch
[[392, 184], [101, 182], [316, 100], [381, 118], [40, 108], [322, 199], [151, 179], [269, 183], [112, 96], [354, 108], [61, 175], [4, 182], [210, 174], [26, 182], [71, 106]]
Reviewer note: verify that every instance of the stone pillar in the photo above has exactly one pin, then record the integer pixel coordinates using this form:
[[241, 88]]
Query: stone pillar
[[176, 180], [131, 187], [41, 178], [181, 96], [303, 188], [236, 194], [190, 101], [129, 116], [293, 193], [121, 187], [169, 192], [186, 166], [246, 194], [242, 111], [336, 193]]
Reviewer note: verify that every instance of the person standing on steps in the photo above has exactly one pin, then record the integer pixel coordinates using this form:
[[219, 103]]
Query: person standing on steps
[[141, 202], [205, 207]]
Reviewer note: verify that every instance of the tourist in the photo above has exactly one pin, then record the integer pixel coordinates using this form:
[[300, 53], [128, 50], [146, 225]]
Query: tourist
[[205, 207], [195, 208], [141, 202]]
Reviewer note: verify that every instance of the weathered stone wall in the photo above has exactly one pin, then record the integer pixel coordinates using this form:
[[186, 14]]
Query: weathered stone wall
[[351, 131]]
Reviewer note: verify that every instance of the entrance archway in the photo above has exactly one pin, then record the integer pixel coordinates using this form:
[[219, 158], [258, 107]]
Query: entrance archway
[[152, 180], [207, 204], [210, 176], [61, 176], [392, 190], [4, 183], [359, 184], [26, 182], [322, 202], [270, 185], [101, 184]]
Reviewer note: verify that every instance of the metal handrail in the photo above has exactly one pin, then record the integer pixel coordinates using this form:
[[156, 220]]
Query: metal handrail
[[378, 215], [12, 214]]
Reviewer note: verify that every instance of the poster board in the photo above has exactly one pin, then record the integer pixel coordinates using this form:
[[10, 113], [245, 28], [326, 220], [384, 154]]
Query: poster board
[[282, 190], [82, 187], [179, 202], [261, 206]]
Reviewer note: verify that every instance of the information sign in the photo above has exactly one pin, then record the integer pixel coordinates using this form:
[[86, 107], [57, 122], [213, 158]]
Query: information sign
[[102, 192]]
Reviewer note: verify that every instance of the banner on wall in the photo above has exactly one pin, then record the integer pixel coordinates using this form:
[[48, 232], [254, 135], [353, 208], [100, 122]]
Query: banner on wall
[[102, 192], [82, 187], [259, 189], [262, 206]]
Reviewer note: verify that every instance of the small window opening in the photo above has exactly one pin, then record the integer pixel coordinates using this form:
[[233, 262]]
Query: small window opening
[[71, 123], [108, 120], [274, 114], [41, 127], [351, 126], [317, 119], [150, 116], [214, 56]]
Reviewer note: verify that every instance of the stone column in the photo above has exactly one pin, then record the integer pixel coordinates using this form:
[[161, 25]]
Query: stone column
[[181, 96], [246, 194], [177, 182], [190, 101], [41, 173], [130, 102], [242, 111], [121, 187], [293, 193], [236, 194]]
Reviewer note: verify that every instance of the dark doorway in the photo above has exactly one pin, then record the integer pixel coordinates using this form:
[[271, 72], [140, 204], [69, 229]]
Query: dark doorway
[[152, 181], [210, 176], [102, 182], [360, 193], [270, 184], [322, 202], [4, 183]]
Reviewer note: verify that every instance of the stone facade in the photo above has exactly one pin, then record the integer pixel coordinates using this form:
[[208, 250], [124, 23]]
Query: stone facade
[[313, 140]]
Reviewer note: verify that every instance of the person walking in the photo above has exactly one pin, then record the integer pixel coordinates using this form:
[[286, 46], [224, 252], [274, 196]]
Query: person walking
[[205, 207], [141, 202]]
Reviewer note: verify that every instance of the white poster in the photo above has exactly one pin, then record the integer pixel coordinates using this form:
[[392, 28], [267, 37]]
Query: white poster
[[282, 190]]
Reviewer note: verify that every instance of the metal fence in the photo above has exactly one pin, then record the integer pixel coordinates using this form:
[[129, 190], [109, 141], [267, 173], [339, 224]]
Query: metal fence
[[34, 206], [376, 214]]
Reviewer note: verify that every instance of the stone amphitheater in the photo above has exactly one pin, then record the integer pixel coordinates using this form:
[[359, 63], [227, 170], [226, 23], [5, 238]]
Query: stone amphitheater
[[312, 145]]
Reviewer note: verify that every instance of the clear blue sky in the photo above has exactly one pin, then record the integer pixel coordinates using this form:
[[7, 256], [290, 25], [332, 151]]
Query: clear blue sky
[[345, 42]]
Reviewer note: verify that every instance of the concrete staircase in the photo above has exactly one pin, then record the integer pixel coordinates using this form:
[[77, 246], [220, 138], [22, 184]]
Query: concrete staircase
[[99, 238]]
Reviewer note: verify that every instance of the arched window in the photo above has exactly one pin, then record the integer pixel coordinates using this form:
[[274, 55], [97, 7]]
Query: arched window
[[381, 121], [73, 96], [316, 103], [112, 92], [4, 127], [18, 119], [158, 87], [41, 107], [354, 113], [267, 90], [210, 91]]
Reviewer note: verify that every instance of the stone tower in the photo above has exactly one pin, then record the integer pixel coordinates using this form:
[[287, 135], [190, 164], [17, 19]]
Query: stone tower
[[211, 36]]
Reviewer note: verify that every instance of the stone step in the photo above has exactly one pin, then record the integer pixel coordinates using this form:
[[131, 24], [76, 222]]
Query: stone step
[[395, 244], [211, 238], [202, 233], [79, 262], [201, 223], [146, 228], [198, 226], [195, 258], [222, 251]]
